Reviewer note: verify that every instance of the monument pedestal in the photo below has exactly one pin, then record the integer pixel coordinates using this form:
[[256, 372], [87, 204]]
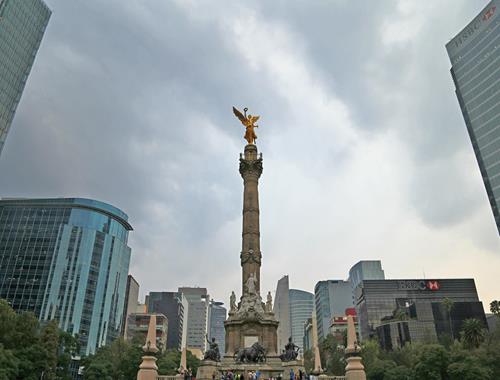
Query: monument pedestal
[[207, 369], [294, 365], [242, 333], [148, 369], [355, 369]]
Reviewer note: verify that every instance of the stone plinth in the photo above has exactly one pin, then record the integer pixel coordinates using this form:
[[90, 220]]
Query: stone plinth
[[272, 367], [207, 369], [148, 369], [294, 365], [354, 369], [262, 330]]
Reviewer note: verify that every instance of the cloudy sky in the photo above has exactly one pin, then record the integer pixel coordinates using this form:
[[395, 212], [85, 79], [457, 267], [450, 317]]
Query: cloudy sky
[[366, 154]]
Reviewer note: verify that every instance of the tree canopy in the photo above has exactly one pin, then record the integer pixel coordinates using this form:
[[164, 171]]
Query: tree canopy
[[29, 349]]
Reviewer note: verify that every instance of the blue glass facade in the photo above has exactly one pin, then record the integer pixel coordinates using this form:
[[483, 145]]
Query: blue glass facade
[[475, 59], [66, 259], [22, 24], [301, 309], [331, 298]]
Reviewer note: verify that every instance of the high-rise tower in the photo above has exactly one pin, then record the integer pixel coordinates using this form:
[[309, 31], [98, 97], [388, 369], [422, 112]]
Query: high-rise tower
[[22, 24], [474, 55], [66, 259]]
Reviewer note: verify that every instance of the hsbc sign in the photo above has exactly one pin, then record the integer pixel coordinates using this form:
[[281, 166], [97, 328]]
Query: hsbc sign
[[431, 285]]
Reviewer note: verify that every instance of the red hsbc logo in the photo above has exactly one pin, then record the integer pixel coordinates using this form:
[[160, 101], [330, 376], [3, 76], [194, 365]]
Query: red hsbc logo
[[433, 285], [489, 13]]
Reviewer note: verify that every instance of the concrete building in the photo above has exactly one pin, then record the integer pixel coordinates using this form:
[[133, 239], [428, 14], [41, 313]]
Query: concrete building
[[196, 318], [338, 325], [331, 297], [281, 309], [292, 308], [474, 56], [22, 25], [137, 329], [172, 306], [216, 316], [400, 311], [131, 301], [66, 259]]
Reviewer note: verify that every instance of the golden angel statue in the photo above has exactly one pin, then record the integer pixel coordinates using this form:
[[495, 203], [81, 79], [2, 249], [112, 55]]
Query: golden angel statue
[[249, 122]]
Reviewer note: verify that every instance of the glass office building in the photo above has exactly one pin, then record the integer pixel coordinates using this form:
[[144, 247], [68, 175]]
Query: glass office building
[[301, 309], [401, 311], [475, 59], [22, 25], [216, 316], [331, 298], [66, 259]]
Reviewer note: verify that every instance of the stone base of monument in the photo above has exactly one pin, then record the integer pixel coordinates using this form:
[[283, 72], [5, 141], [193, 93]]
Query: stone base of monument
[[207, 369], [354, 369], [294, 365], [148, 369], [272, 367]]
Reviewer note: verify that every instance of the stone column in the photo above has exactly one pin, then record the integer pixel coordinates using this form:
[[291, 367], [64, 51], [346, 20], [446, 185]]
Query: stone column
[[148, 369], [354, 369], [250, 170]]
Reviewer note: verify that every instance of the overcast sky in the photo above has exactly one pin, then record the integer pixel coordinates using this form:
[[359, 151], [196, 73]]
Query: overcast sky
[[366, 154]]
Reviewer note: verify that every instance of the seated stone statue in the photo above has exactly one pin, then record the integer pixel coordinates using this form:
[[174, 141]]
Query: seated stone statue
[[213, 352], [291, 351]]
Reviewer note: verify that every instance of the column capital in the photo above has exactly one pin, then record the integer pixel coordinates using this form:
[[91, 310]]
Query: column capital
[[251, 168]]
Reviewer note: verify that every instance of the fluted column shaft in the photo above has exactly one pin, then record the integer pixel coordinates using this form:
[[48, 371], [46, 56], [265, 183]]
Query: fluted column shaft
[[250, 170]]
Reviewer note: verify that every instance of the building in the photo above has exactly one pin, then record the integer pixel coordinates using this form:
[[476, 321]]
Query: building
[[307, 341], [301, 309], [292, 308], [137, 329], [169, 304], [216, 316], [131, 301], [338, 326], [331, 297], [365, 270], [281, 310], [22, 25], [400, 311], [196, 318], [492, 321], [474, 56], [66, 259]]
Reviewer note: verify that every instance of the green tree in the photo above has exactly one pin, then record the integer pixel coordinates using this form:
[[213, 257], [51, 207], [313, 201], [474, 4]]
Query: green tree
[[7, 325], [432, 363], [495, 308], [399, 373], [379, 368], [169, 362], [309, 360], [370, 352], [50, 342], [469, 369], [192, 362], [8, 364], [448, 305], [332, 358], [472, 333]]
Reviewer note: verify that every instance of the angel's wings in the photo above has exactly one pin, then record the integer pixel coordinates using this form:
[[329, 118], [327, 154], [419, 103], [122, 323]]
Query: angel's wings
[[239, 115]]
